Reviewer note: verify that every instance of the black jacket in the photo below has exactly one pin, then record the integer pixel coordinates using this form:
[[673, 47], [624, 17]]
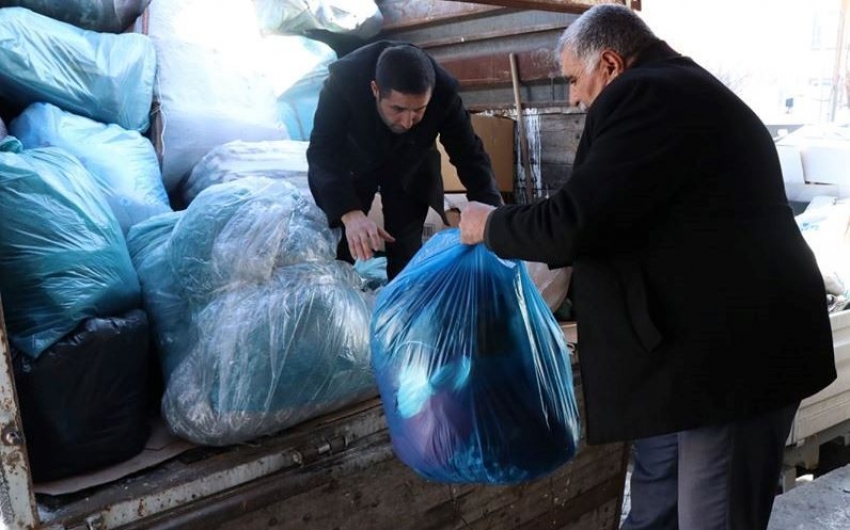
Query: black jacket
[[697, 299], [351, 149]]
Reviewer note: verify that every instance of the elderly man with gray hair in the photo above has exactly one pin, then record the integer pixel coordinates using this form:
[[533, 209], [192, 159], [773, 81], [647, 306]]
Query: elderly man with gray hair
[[702, 318]]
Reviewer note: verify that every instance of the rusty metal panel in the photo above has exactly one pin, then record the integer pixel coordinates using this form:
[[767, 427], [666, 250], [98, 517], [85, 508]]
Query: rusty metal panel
[[562, 6], [17, 500], [402, 14], [475, 50]]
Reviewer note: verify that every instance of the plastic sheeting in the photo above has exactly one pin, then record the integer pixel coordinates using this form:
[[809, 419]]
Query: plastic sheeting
[[285, 159], [123, 162], [63, 258], [473, 370], [212, 82], [84, 402], [106, 77], [259, 327], [360, 18], [107, 16], [273, 354], [298, 85], [243, 231], [172, 331]]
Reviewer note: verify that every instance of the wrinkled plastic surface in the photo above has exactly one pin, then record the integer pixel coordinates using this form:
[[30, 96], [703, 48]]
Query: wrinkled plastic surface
[[258, 326], [123, 162], [84, 402], [298, 85], [273, 354], [361, 18], [473, 370], [373, 271], [63, 258], [212, 82], [284, 159], [243, 231], [105, 77], [107, 16], [172, 331]]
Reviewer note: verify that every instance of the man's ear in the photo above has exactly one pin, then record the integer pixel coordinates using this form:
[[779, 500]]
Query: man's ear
[[613, 64], [375, 90]]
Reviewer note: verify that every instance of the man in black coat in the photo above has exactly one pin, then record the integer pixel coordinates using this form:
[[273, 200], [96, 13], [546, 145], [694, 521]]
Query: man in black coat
[[702, 317], [379, 115]]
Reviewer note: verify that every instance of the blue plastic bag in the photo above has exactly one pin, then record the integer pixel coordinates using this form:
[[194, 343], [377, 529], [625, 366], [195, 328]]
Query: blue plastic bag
[[103, 76], [473, 369], [63, 258], [123, 162]]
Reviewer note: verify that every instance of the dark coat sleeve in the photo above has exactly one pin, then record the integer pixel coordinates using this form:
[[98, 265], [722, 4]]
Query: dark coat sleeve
[[631, 160], [330, 181]]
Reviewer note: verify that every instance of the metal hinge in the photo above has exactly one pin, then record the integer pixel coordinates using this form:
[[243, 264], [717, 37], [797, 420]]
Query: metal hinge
[[310, 453]]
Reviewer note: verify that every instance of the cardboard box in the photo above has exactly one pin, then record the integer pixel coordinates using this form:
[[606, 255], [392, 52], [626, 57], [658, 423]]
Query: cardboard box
[[433, 221], [497, 133]]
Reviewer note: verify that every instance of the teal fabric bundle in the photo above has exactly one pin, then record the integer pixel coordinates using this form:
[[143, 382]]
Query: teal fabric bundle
[[63, 257]]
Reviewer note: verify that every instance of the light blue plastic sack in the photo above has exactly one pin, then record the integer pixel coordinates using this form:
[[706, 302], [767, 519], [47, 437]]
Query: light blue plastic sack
[[112, 16], [103, 76], [168, 309], [123, 162], [63, 258], [297, 104], [473, 370]]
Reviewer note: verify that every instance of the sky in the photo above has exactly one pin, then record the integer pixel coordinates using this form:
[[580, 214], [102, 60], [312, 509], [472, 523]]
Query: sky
[[767, 51]]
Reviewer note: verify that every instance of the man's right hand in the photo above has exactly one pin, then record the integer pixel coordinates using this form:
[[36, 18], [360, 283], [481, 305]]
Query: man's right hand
[[363, 235]]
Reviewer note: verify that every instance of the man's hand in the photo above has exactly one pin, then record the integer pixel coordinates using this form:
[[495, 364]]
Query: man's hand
[[363, 235], [473, 221]]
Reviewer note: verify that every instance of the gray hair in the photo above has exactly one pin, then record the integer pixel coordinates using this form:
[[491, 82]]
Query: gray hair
[[605, 27]]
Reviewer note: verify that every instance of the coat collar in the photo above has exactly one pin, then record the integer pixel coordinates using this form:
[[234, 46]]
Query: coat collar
[[657, 51]]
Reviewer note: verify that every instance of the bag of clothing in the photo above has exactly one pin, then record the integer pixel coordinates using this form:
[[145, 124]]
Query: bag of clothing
[[63, 258], [273, 354], [123, 162], [106, 77], [361, 18], [84, 401], [473, 370], [283, 159], [243, 230], [105, 16], [169, 311], [274, 329]]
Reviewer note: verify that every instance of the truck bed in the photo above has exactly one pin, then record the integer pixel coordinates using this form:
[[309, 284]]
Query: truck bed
[[339, 472]]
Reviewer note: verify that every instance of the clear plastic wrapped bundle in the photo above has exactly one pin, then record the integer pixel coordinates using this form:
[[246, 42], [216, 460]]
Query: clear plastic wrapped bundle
[[272, 354], [283, 159], [259, 327], [244, 229], [473, 370]]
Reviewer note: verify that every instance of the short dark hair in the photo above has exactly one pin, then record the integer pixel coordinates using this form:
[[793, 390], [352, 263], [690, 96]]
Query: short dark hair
[[404, 68]]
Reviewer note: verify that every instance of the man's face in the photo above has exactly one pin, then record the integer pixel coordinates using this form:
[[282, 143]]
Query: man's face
[[584, 85], [400, 112]]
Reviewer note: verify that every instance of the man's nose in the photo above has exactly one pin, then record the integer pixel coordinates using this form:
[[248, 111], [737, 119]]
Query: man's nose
[[407, 120]]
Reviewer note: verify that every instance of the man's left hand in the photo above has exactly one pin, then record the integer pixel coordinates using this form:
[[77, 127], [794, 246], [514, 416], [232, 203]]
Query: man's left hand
[[473, 221]]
